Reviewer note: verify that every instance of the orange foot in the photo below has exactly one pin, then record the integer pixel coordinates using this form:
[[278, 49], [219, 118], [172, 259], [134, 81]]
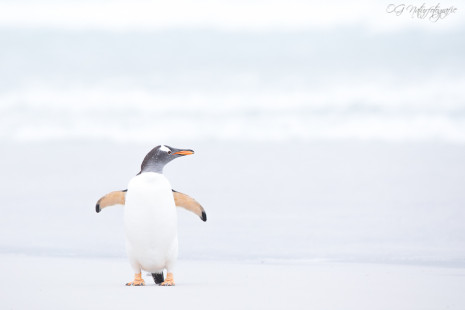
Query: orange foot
[[169, 281], [138, 281]]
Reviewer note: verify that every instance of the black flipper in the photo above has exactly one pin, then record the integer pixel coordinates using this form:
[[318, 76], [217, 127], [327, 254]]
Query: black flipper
[[158, 277]]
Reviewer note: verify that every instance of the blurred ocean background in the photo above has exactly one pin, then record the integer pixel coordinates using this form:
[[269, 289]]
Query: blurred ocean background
[[321, 132]]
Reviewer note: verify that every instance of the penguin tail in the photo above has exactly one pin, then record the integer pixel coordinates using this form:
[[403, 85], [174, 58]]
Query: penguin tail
[[158, 277]]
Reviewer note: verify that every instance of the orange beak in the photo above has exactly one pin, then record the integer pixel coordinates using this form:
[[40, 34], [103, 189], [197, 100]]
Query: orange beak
[[184, 153]]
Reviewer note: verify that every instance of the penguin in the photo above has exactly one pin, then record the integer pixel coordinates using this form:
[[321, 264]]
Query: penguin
[[150, 220]]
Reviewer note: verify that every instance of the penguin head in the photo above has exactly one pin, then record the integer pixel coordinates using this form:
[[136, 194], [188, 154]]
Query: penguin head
[[159, 156]]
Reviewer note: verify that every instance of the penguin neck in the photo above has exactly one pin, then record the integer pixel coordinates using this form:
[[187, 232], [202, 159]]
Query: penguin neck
[[153, 168]]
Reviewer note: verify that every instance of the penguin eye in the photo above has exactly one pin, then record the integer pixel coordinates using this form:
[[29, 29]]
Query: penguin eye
[[169, 152]]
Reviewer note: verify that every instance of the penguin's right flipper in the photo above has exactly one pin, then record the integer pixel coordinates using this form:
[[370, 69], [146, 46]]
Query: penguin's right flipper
[[111, 199]]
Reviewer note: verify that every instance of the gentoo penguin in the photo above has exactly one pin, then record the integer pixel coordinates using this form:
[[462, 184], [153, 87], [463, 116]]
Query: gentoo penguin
[[150, 216]]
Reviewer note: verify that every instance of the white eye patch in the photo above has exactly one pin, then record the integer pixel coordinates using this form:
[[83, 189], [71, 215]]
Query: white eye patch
[[164, 149]]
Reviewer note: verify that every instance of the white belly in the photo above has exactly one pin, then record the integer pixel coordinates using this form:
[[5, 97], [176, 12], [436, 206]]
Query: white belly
[[150, 222]]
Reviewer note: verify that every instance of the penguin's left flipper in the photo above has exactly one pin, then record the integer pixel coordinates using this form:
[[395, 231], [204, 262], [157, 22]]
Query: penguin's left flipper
[[190, 204], [180, 199]]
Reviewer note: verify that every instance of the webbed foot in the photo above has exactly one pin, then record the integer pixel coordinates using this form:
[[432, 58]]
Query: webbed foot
[[138, 281], [169, 281]]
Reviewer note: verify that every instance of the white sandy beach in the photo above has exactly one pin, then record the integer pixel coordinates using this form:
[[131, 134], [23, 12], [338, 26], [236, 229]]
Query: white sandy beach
[[31, 282], [340, 225]]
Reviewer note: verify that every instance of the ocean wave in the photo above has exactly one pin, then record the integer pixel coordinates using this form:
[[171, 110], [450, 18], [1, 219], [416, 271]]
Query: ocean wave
[[360, 111]]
